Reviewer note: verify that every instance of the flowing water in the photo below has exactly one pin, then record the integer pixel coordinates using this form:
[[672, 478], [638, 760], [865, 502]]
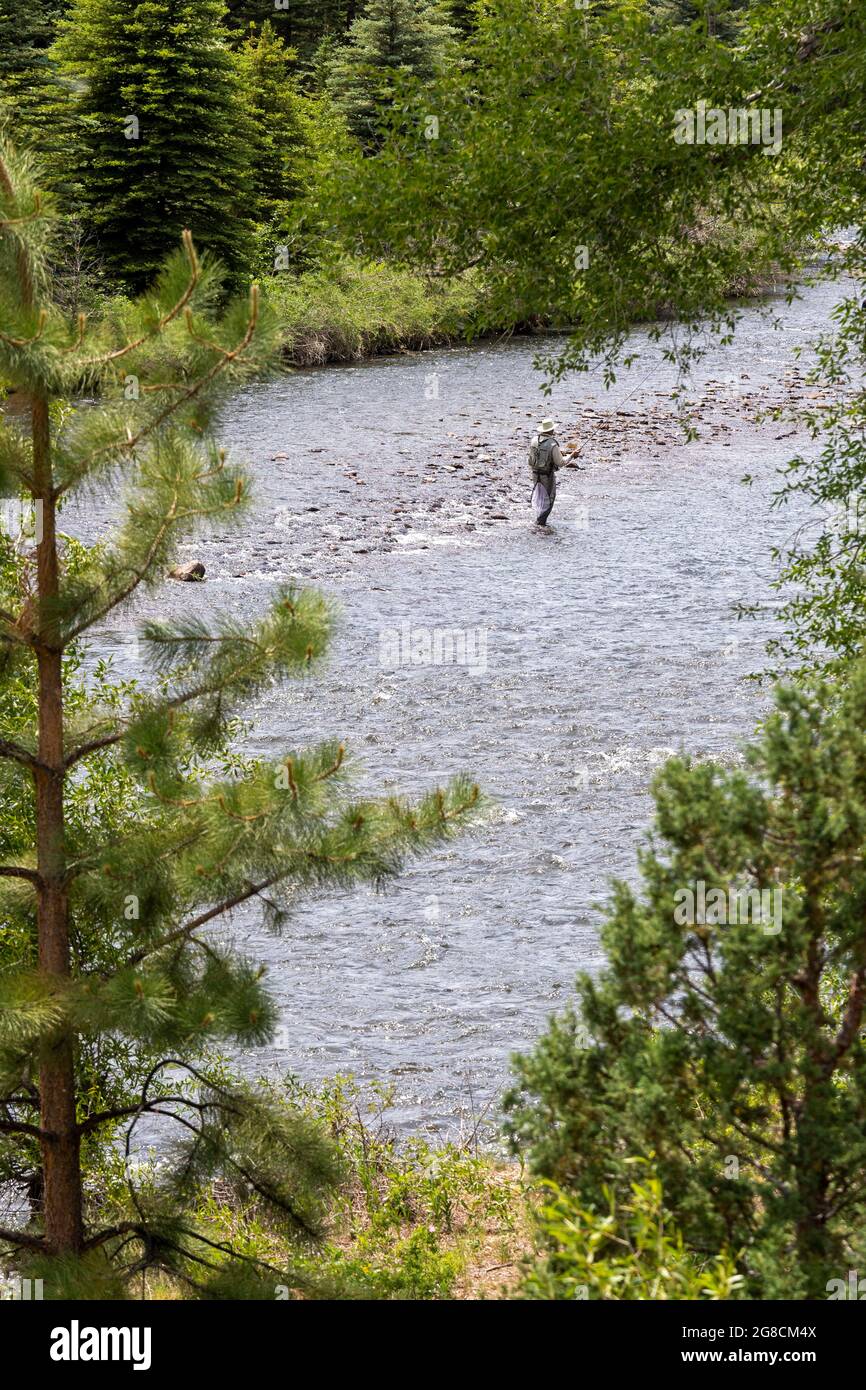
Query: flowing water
[[593, 651]]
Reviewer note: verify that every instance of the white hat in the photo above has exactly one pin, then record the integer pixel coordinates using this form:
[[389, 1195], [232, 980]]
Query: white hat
[[547, 426]]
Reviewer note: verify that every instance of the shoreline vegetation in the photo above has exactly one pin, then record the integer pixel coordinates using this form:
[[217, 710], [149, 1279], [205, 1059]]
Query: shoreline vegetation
[[354, 311], [691, 1123], [350, 310], [410, 1219]]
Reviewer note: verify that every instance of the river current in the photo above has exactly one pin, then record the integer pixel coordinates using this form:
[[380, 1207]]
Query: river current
[[590, 654]]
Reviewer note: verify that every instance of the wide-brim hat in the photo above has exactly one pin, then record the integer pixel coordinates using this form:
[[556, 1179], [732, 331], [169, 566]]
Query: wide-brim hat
[[547, 426]]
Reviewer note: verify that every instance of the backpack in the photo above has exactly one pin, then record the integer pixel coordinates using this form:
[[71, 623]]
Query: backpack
[[539, 453]]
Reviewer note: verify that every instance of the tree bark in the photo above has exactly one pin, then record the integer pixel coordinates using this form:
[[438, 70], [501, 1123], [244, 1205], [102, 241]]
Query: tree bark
[[60, 1142]]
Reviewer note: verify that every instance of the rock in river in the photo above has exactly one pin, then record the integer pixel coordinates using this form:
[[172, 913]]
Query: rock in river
[[190, 572]]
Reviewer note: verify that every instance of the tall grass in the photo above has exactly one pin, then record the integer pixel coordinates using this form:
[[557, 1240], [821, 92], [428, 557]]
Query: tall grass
[[352, 309]]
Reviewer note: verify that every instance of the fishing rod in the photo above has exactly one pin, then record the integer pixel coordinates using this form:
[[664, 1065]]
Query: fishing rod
[[571, 457]]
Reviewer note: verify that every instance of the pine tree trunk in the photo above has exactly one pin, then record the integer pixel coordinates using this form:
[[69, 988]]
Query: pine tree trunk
[[815, 1245], [60, 1147]]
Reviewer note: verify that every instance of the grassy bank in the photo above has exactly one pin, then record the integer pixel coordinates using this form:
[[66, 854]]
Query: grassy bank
[[351, 310], [413, 1221], [408, 1221]]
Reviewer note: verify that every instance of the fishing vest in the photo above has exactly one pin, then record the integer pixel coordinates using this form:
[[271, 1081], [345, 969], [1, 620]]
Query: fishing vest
[[540, 452]]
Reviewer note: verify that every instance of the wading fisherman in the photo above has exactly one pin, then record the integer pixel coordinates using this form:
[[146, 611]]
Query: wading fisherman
[[545, 460]]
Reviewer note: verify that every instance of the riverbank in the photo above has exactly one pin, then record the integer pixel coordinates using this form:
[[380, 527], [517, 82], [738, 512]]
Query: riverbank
[[399, 486], [352, 311], [407, 1220]]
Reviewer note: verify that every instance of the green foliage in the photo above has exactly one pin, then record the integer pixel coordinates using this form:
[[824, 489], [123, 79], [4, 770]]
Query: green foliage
[[821, 575], [393, 39], [731, 1049], [632, 1250], [353, 309], [559, 136], [408, 1221], [302, 24], [281, 153], [29, 87], [463, 14], [113, 987], [162, 131], [717, 18]]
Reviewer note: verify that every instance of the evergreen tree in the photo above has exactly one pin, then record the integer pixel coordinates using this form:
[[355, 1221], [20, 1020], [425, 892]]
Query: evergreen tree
[[162, 130], [280, 153], [718, 18], [30, 90], [205, 842], [393, 39], [726, 1038], [463, 14], [107, 800], [302, 24]]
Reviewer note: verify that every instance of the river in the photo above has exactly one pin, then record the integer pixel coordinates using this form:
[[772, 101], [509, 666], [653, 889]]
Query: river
[[601, 647]]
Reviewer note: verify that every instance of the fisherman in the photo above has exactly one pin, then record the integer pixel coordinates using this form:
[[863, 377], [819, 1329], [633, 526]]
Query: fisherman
[[545, 460]]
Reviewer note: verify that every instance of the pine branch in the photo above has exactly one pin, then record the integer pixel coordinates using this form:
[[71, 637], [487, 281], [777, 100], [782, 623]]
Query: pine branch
[[195, 276], [21, 1127], [133, 441], [313, 857], [173, 517], [34, 338], [125, 1112], [94, 746], [12, 622], [122, 1229], [21, 1239], [25, 277], [227, 1249], [226, 906], [301, 640], [28, 217], [17, 871], [16, 754], [851, 1023]]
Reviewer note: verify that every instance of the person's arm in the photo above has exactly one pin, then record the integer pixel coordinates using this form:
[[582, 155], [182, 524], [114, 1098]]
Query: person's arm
[[556, 457]]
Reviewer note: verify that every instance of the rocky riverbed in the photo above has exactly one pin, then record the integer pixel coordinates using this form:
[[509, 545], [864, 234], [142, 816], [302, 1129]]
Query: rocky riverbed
[[600, 646], [458, 478]]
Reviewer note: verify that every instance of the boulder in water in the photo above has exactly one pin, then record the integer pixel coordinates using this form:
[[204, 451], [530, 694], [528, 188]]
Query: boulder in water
[[189, 573]]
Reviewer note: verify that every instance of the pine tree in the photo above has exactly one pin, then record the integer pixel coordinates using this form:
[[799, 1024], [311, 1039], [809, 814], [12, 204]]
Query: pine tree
[[719, 18], [162, 131], [726, 1037], [461, 13], [301, 24], [280, 155], [204, 843], [30, 89], [392, 40], [107, 800]]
